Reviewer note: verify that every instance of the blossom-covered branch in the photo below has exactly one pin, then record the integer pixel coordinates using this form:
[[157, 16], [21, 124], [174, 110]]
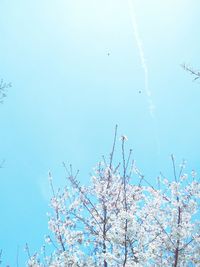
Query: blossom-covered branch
[[117, 222]]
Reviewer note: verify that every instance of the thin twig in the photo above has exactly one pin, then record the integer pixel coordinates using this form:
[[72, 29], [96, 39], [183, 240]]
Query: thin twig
[[113, 147]]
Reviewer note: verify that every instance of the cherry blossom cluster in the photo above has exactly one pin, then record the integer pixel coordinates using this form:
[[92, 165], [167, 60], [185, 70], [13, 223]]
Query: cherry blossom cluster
[[115, 222]]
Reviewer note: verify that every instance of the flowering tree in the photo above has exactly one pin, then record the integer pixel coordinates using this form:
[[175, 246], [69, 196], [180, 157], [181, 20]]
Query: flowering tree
[[192, 71], [3, 89], [115, 222]]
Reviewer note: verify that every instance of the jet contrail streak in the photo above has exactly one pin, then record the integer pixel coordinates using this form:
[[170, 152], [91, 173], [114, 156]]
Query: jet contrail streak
[[139, 44], [151, 105]]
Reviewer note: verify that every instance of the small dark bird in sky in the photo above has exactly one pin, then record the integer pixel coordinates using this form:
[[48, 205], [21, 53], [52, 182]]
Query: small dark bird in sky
[[139, 91], [108, 54]]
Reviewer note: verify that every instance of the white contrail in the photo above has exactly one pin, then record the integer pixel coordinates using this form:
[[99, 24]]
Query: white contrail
[[139, 44], [151, 105]]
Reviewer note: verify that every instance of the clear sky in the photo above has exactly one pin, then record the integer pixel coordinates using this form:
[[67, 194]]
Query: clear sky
[[76, 71]]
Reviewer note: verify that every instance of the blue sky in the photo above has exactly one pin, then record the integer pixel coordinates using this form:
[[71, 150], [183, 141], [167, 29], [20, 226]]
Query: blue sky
[[68, 94]]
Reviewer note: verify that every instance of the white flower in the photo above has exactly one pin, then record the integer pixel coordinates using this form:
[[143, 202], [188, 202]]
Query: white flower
[[123, 138]]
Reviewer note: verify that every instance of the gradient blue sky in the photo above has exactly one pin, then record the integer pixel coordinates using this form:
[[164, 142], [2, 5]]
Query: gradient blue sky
[[68, 94]]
